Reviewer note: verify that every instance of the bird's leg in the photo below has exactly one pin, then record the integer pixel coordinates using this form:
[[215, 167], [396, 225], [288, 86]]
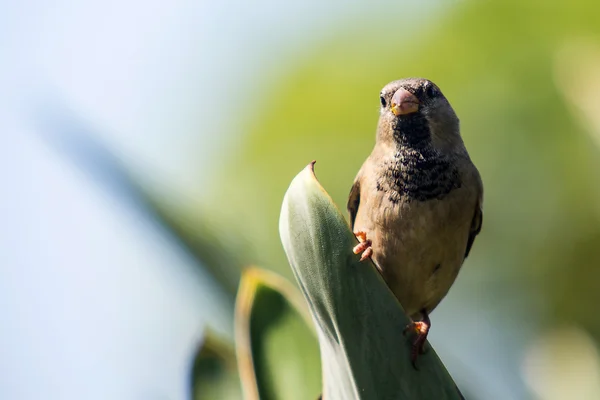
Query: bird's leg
[[421, 329], [364, 246]]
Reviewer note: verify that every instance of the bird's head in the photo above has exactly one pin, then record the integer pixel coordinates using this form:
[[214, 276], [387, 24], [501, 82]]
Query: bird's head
[[415, 112]]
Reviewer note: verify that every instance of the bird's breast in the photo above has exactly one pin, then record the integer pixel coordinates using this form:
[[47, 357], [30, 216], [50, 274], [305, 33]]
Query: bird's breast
[[416, 174], [418, 245]]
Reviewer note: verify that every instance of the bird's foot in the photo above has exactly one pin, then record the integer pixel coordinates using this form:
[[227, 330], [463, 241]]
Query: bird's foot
[[420, 329], [364, 246]]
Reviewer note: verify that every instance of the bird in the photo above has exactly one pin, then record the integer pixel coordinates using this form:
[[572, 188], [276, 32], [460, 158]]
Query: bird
[[416, 204]]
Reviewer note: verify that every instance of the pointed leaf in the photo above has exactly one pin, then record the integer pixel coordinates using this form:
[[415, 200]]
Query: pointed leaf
[[277, 350], [359, 321]]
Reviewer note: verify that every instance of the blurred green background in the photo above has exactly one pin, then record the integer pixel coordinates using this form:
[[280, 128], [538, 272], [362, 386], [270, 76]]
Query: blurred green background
[[258, 92]]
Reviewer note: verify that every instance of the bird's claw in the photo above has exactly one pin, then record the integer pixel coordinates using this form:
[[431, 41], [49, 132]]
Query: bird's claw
[[420, 329], [364, 246]]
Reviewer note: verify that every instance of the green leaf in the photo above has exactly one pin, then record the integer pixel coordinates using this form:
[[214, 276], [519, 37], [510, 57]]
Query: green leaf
[[277, 350], [215, 375], [359, 321]]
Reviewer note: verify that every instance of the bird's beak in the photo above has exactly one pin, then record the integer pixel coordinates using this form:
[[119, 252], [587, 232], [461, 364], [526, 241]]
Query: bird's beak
[[404, 102]]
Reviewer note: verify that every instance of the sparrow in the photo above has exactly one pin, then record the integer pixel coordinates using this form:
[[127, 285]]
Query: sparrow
[[416, 202]]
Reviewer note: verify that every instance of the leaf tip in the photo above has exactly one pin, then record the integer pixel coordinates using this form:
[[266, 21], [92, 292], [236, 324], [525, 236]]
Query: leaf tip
[[251, 274], [311, 168]]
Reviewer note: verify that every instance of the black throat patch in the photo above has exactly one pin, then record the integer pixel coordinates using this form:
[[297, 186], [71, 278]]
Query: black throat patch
[[417, 170]]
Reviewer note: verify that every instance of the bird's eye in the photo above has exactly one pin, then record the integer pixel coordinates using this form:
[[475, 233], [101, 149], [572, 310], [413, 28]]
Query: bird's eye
[[383, 102], [431, 92]]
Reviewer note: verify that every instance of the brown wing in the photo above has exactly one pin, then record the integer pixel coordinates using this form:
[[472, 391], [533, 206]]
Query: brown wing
[[475, 225], [354, 201]]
